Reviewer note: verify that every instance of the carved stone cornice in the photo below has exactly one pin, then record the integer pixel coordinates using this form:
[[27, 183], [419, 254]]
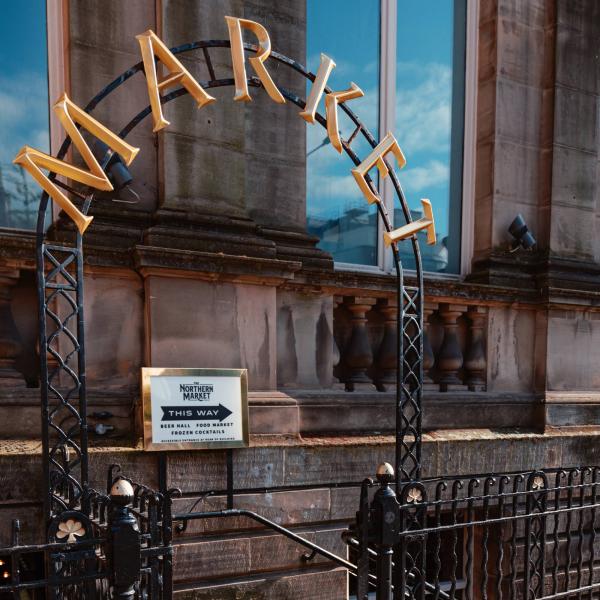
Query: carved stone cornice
[[207, 233], [168, 262], [17, 249], [539, 271], [300, 246]]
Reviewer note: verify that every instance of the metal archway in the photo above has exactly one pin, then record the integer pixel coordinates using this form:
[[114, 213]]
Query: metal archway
[[65, 448]]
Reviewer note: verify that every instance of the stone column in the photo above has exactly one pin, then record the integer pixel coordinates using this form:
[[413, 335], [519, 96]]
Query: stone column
[[387, 362], [428, 356], [358, 354], [450, 357], [475, 359]]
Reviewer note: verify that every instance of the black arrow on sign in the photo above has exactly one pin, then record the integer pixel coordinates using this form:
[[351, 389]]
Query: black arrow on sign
[[195, 413]]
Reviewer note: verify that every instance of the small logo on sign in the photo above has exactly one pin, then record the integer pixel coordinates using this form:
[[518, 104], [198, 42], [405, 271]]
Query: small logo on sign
[[196, 391]]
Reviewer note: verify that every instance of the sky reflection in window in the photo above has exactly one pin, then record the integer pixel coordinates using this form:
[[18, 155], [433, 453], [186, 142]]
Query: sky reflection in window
[[23, 106], [337, 212], [424, 115], [429, 101]]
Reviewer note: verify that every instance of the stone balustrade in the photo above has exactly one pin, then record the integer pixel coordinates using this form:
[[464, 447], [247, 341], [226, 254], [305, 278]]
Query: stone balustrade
[[454, 344]]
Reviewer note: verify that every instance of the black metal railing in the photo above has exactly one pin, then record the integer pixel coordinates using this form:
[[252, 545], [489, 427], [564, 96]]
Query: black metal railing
[[507, 536], [114, 545]]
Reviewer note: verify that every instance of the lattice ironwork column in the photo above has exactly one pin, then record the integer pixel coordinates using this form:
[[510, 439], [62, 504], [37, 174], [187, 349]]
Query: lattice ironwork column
[[62, 374]]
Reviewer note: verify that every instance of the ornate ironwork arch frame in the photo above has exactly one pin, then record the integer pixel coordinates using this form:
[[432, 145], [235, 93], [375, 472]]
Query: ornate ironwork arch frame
[[67, 451]]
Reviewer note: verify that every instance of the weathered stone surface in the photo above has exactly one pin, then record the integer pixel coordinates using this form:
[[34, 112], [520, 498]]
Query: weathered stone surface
[[195, 560], [577, 66], [320, 585], [510, 364], [31, 523], [573, 351], [189, 21], [20, 472], [572, 230], [273, 413], [216, 326], [574, 180], [576, 119], [332, 464], [520, 52], [111, 25], [273, 552], [284, 508], [517, 174], [20, 414], [206, 470], [114, 321], [518, 111], [275, 192], [217, 125], [533, 13], [304, 340], [217, 187], [141, 467], [344, 503]]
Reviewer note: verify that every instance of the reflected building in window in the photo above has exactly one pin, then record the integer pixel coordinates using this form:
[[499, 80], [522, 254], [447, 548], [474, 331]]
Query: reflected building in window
[[428, 103]]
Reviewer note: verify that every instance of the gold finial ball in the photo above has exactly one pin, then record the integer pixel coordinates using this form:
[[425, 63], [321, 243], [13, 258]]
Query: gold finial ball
[[385, 470], [121, 492]]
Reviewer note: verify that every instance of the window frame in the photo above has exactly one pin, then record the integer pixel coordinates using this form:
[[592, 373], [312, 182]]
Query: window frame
[[387, 119], [59, 80]]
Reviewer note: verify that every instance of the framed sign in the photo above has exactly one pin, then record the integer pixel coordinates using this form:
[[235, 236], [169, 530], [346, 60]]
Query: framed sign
[[188, 409]]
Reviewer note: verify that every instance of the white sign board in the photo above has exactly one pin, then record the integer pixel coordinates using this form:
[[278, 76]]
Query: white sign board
[[187, 409]]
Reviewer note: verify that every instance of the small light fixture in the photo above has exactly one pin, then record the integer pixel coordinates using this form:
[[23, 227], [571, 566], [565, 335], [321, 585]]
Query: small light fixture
[[521, 234], [6, 574], [118, 174]]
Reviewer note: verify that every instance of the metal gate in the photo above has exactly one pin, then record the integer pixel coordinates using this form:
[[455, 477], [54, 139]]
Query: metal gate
[[514, 535]]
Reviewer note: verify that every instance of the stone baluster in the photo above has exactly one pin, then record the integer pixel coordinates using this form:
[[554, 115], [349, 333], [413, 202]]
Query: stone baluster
[[10, 344], [450, 357], [335, 358], [386, 361], [428, 357], [475, 359], [358, 355]]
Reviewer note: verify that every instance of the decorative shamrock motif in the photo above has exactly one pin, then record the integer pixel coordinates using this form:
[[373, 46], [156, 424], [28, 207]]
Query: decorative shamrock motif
[[414, 495], [70, 528], [537, 483]]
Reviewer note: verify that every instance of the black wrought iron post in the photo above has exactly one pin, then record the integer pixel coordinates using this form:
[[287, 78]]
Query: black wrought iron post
[[124, 550], [62, 367], [363, 524], [535, 535], [386, 519]]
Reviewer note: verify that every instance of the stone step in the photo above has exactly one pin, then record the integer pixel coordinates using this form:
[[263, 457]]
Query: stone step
[[330, 584], [242, 555]]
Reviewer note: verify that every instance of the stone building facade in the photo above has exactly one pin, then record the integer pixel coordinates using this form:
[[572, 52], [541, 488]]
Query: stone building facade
[[214, 268]]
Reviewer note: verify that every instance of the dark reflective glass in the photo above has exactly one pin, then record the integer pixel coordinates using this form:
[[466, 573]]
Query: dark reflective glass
[[348, 32], [429, 121], [23, 106]]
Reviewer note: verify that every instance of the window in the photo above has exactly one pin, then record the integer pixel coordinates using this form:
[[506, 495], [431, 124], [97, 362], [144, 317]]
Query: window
[[348, 32], [23, 106], [424, 108]]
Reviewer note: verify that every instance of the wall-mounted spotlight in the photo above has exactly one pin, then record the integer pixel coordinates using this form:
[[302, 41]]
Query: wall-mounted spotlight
[[118, 174], [521, 234]]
